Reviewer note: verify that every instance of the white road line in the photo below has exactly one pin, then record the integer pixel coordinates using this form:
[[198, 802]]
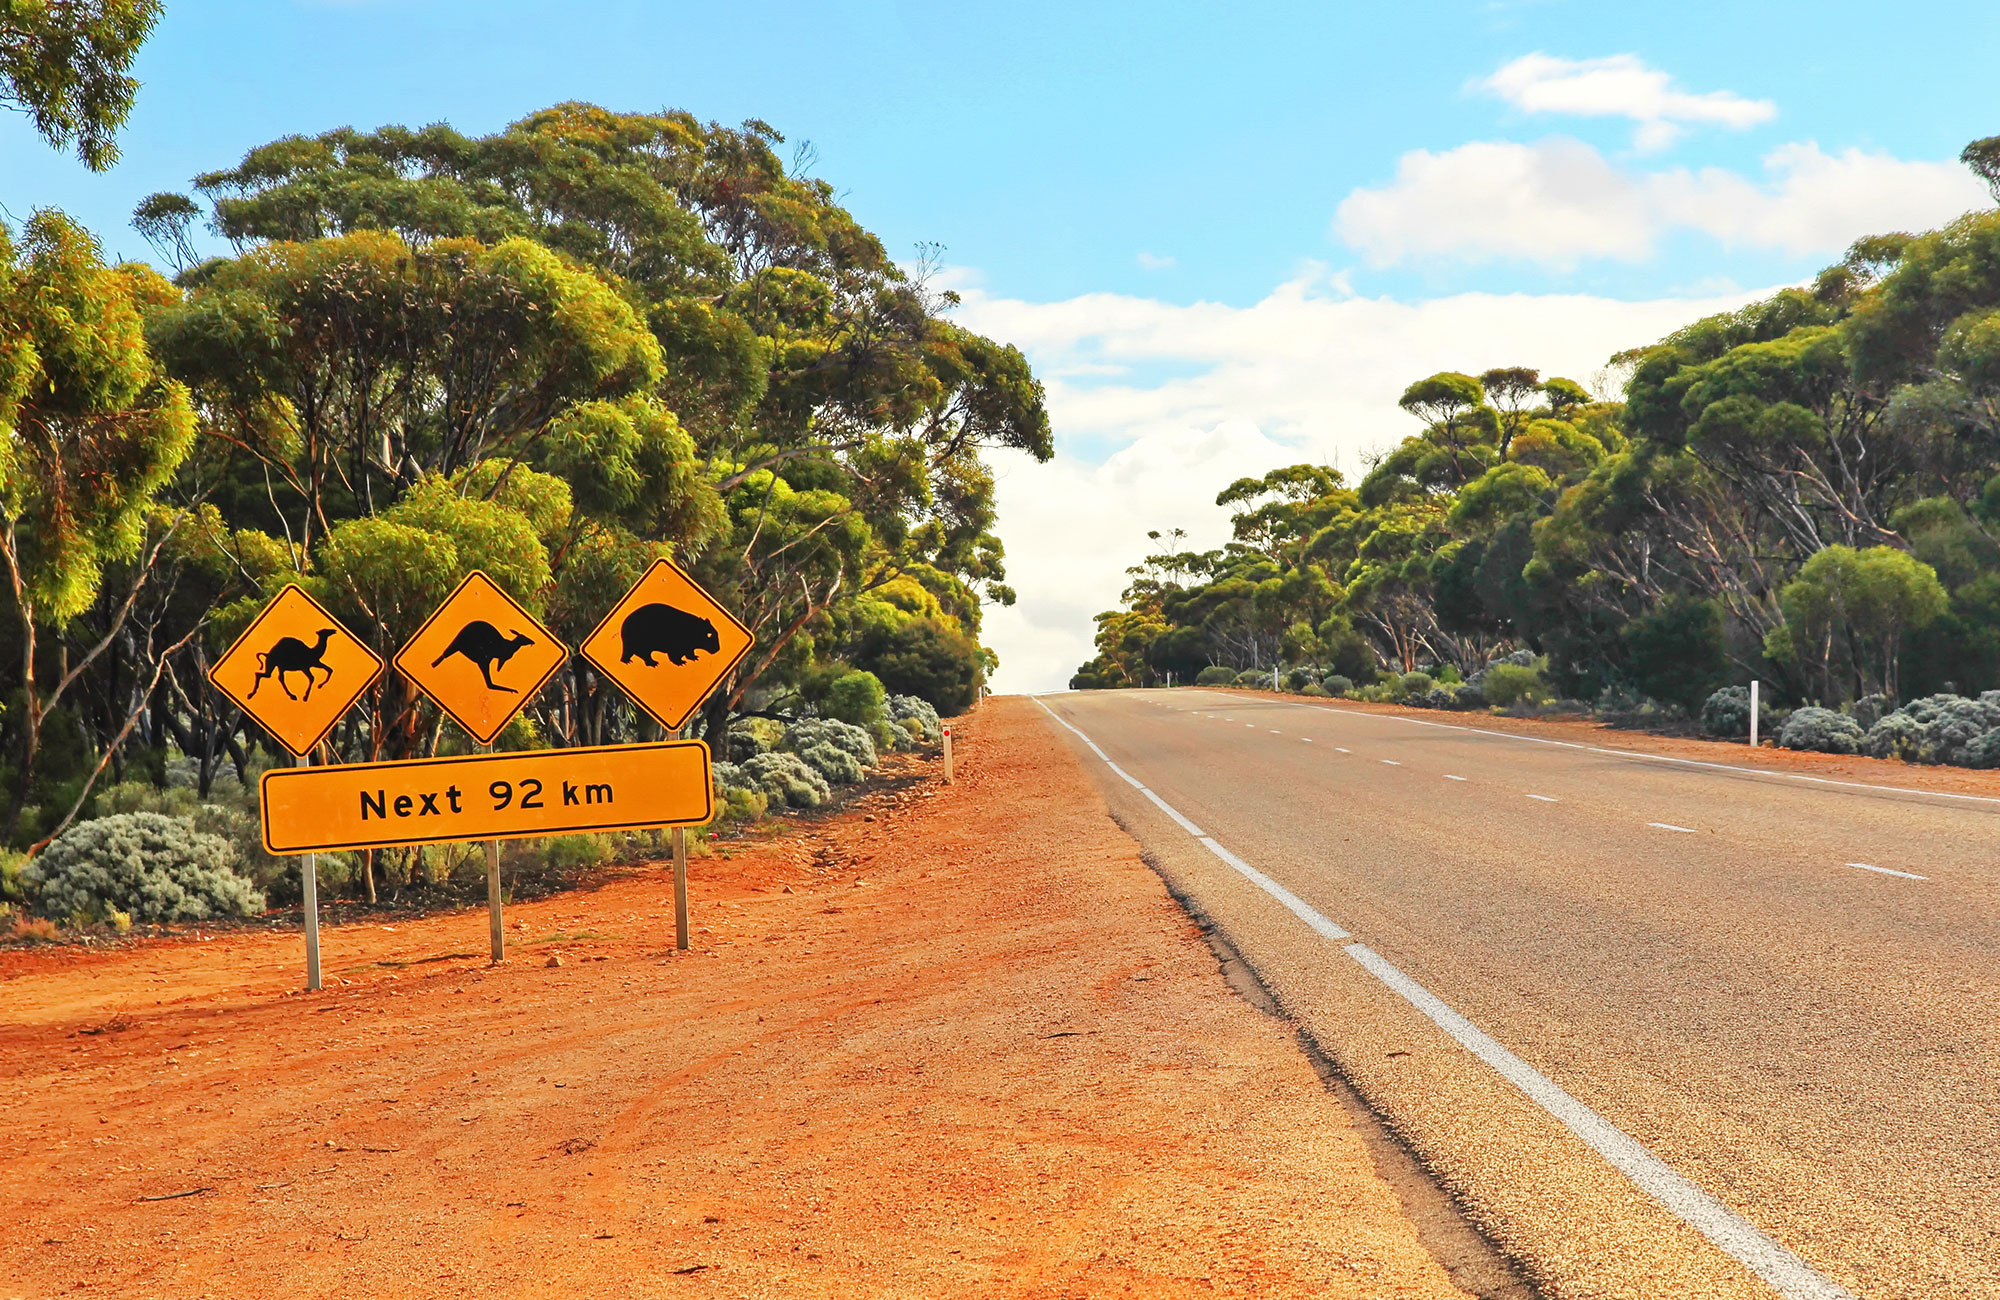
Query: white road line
[[1344, 751], [1792, 1277], [1655, 758], [1276, 732], [1391, 762], [1685, 830], [1545, 798], [1907, 875], [1449, 777], [1307, 739]]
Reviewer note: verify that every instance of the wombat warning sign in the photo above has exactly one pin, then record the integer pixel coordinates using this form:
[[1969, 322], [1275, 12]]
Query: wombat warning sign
[[667, 644]]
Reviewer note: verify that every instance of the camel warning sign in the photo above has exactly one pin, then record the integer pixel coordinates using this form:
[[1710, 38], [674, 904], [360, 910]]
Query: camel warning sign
[[481, 657], [295, 670], [667, 644]]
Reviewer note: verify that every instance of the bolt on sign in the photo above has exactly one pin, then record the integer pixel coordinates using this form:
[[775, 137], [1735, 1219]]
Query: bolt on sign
[[481, 657], [518, 795], [295, 670], [667, 644]]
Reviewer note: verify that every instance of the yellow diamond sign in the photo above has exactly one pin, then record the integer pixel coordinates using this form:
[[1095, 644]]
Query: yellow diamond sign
[[667, 644], [295, 670], [481, 657]]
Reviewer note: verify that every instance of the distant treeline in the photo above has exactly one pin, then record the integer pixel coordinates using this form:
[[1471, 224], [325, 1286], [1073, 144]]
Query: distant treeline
[[1805, 491]]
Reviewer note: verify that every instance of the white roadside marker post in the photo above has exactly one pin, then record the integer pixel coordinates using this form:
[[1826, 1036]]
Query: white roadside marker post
[[309, 888], [1753, 713], [947, 753], [680, 888]]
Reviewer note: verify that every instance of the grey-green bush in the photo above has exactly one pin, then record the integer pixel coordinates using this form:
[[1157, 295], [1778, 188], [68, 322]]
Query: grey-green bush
[[749, 737], [1315, 691], [148, 865], [1726, 713], [1508, 684], [1215, 675], [787, 778], [1871, 709], [1336, 684], [809, 733], [915, 715], [1821, 730], [1415, 684], [1468, 696], [1937, 729], [1253, 677], [835, 764]]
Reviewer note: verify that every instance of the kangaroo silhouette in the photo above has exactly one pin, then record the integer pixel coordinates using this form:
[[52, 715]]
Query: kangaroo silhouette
[[482, 643], [291, 655]]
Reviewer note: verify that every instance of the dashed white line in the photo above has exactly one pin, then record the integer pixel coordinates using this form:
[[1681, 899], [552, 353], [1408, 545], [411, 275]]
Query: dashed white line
[[1790, 1276], [1545, 798], [1276, 732], [1449, 777], [1667, 826], [1344, 751], [1391, 762], [1307, 739], [1907, 875]]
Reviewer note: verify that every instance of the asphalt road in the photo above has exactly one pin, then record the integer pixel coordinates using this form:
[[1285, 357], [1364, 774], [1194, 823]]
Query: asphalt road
[[1718, 965]]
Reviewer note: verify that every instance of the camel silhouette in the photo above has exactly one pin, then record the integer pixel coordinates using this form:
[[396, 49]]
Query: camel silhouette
[[482, 643], [291, 655]]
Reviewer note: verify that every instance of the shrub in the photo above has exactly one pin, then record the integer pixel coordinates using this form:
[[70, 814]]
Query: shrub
[[743, 805], [1726, 713], [1984, 750], [1336, 684], [1417, 683], [810, 733], [1822, 730], [1507, 684], [1253, 677], [787, 778], [1469, 696], [916, 717], [835, 764], [1215, 675], [748, 737], [576, 852], [1315, 691], [1435, 698], [1297, 679], [1937, 729], [1449, 676], [156, 868], [13, 889], [927, 658], [1870, 709], [855, 697]]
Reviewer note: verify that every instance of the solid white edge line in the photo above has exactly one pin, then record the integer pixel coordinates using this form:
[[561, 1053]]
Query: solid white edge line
[[1653, 758], [1734, 1235], [1293, 903], [1133, 781], [1907, 875]]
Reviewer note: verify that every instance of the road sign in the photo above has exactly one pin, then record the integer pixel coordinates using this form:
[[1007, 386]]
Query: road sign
[[295, 670], [667, 643], [518, 795], [481, 657]]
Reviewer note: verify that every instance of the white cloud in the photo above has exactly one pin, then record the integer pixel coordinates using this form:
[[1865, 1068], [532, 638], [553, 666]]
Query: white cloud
[[1303, 375], [1559, 202], [1620, 86], [1154, 261]]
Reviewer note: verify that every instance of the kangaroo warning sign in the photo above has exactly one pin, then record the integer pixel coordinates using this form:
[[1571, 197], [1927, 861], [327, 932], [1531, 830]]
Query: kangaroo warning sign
[[295, 670], [518, 795], [481, 657], [667, 644]]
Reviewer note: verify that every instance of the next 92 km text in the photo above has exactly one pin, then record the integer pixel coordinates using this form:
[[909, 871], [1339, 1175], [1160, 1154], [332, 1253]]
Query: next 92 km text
[[486, 796]]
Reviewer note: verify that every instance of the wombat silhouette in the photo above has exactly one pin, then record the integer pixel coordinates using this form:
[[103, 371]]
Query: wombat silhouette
[[291, 655], [483, 644], [658, 629]]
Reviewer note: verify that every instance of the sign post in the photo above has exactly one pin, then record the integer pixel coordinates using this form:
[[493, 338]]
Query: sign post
[[947, 754], [319, 668], [481, 657], [680, 888]]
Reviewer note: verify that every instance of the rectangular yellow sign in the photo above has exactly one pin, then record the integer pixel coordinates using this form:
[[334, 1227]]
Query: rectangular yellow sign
[[487, 797]]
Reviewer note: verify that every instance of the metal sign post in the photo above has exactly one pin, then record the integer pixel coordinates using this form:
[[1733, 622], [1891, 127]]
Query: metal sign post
[[680, 888], [309, 889], [499, 934]]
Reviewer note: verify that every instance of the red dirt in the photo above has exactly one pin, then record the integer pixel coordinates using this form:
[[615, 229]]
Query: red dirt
[[953, 1042]]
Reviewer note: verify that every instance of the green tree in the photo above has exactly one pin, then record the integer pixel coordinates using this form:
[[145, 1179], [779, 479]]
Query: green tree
[[64, 62], [1846, 614]]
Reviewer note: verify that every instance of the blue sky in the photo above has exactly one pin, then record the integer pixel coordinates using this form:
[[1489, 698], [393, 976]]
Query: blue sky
[[1226, 235]]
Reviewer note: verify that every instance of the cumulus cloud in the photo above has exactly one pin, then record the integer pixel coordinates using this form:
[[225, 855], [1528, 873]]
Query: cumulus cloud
[[1559, 203], [1620, 86], [1157, 406]]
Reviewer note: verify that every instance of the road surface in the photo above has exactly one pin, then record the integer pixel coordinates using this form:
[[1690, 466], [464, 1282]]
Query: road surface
[[1666, 1029]]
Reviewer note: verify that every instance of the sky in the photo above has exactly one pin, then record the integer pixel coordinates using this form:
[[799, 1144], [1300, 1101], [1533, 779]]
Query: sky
[[1225, 236]]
